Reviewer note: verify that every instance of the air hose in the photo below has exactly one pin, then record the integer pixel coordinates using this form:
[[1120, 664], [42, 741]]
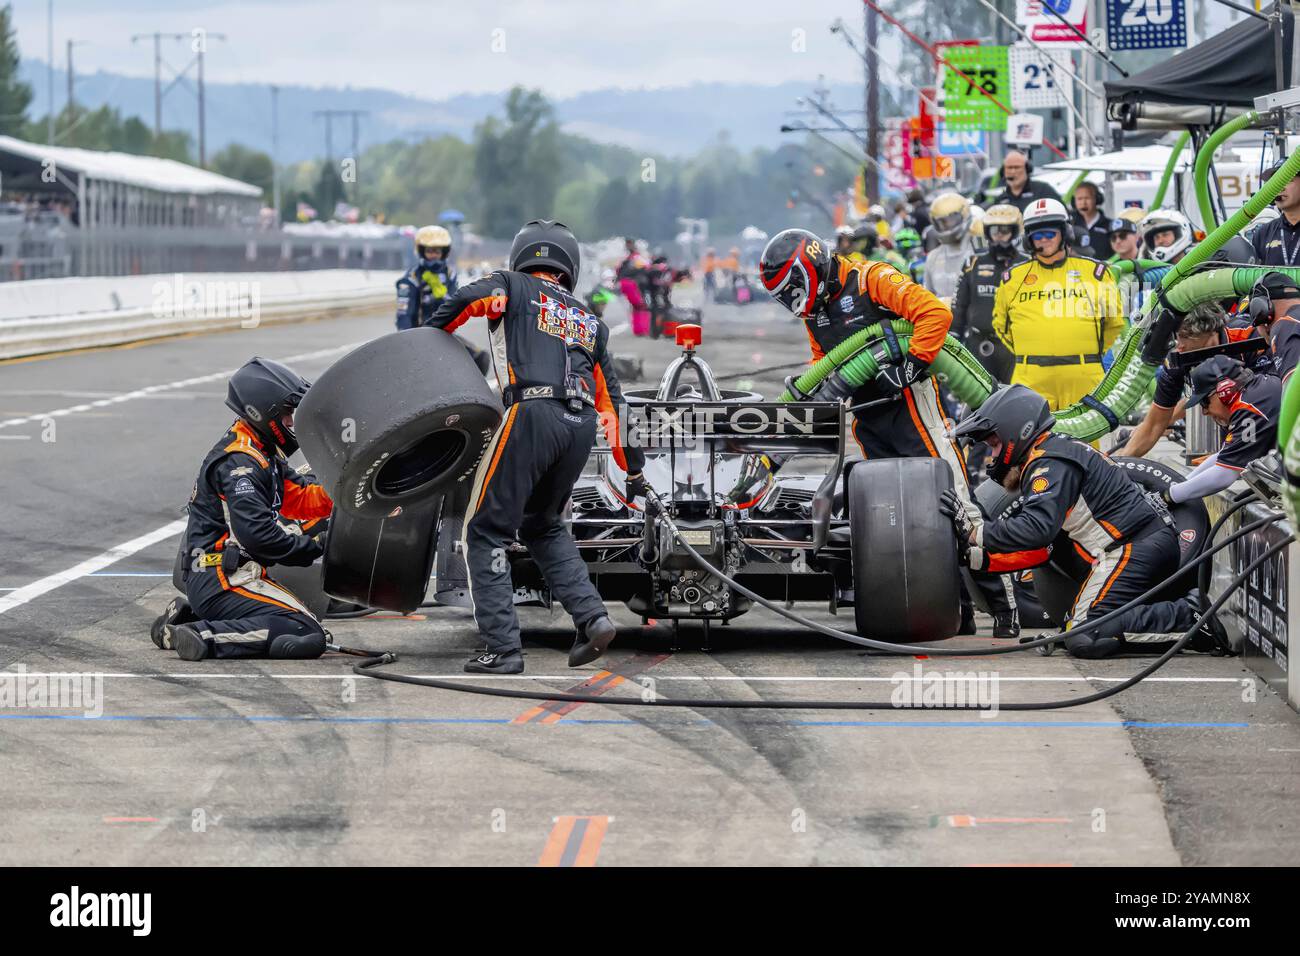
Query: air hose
[[367, 669], [1288, 441], [1176, 155], [1201, 172]]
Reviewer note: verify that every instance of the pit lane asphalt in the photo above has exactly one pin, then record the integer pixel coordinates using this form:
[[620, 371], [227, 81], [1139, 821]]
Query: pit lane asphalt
[[299, 762]]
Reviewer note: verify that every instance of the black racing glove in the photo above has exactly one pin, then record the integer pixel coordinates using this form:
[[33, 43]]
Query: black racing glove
[[896, 376], [952, 508], [833, 389], [636, 486]]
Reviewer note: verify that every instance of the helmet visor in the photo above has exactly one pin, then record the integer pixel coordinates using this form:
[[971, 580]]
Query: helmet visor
[[949, 222], [1001, 233]]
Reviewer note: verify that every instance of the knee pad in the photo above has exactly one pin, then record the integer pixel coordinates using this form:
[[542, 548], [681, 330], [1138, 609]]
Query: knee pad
[[1092, 648], [303, 640]]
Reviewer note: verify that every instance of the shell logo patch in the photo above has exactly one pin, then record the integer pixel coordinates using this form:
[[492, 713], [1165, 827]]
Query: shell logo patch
[[1188, 535], [1039, 485], [1031, 279]]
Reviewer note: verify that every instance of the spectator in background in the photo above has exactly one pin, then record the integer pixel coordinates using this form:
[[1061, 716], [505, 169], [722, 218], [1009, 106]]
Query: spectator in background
[[1018, 189], [1091, 228], [1277, 243], [707, 266], [1123, 235], [920, 212]]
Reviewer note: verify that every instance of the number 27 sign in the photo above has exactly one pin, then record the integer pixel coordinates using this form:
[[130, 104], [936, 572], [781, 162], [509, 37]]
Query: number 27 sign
[[1146, 24]]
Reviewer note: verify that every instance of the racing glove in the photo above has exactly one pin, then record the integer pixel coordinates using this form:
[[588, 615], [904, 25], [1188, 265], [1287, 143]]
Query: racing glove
[[636, 486], [963, 527], [896, 376], [833, 389]]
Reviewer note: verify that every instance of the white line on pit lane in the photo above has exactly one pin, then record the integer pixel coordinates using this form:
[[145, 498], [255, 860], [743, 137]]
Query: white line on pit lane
[[21, 596], [789, 679], [150, 391]]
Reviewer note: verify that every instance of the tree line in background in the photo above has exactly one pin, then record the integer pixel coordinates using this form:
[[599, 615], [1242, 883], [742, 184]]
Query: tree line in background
[[519, 166]]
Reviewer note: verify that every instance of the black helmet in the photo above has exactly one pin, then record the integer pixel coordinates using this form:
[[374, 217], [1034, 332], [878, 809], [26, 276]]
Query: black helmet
[[262, 392], [1011, 419], [796, 268], [546, 244], [1236, 250]]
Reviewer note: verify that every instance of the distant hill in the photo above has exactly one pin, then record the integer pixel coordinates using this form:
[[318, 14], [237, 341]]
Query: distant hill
[[673, 121]]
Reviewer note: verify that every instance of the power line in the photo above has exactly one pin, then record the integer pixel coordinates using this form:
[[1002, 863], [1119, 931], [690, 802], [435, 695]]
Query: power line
[[199, 44]]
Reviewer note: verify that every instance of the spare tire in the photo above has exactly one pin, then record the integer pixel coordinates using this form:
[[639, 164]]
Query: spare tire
[[382, 562], [1057, 583], [396, 421], [905, 574]]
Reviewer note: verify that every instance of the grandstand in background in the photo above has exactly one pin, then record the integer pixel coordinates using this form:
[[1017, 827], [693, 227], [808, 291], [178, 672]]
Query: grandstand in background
[[82, 212]]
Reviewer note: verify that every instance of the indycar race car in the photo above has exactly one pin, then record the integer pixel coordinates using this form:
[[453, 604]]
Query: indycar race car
[[824, 529]]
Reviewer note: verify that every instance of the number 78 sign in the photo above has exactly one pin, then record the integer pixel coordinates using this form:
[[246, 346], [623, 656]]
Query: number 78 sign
[[1146, 24]]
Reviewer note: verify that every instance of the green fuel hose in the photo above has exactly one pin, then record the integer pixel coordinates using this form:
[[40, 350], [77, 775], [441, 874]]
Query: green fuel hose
[[1201, 173]]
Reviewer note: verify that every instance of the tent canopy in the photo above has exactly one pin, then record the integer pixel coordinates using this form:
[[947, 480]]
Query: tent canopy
[[1227, 70]]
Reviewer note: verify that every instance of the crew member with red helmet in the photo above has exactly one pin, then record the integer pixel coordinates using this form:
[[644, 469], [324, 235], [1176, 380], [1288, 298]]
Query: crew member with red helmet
[[556, 372], [836, 298]]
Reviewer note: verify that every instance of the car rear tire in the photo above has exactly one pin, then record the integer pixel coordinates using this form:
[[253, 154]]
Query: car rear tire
[[397, 421], [905, 573], [382, 562]]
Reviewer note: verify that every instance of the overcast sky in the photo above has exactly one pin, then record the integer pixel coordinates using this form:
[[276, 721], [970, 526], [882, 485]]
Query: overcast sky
[[435, 48]]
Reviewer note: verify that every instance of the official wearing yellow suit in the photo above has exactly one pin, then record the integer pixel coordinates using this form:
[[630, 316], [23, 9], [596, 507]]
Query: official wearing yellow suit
[[1058, 313]]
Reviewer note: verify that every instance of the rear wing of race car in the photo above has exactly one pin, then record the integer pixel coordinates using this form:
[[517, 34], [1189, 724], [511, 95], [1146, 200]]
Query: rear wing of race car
[[783, 428], [770, 428]]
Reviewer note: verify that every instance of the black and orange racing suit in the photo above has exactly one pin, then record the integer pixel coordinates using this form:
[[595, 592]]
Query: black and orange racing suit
[[916, 425], [553, 365], [1125, 534], [243, 516]]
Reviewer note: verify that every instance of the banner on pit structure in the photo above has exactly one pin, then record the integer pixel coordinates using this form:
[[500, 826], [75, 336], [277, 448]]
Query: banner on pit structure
[[977, 77], [1146, 24], [1040, 80], [1036, 16]]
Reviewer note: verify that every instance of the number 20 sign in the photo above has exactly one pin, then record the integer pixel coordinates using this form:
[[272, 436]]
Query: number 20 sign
[[1146, 24]]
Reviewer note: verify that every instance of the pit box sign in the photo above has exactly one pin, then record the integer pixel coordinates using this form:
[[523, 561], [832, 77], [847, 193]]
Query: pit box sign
[[1146, 24], [1040, 80], [1054, 21], [986, 68], [1260, 608]]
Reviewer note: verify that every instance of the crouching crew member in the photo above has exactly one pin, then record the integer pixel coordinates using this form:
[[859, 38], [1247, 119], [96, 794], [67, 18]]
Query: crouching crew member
[[1247, 405], [1275, 309], [837, 298], [1068, 486], [553, 365], [244, 489]]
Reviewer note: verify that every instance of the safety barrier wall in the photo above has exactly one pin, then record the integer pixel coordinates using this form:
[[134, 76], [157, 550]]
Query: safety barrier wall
[[51, 315], [1266, 612]]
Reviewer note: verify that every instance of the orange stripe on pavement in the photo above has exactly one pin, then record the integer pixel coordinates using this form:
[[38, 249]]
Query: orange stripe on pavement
[[964, 820], [574, 841], [552, 711], [549, 706]]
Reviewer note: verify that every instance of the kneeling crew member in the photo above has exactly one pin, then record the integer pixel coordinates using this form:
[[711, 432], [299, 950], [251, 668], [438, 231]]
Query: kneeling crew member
[[244, 488], [1248, 406], [555, 370], [1275, 309], [837, 298], [1069, 486]]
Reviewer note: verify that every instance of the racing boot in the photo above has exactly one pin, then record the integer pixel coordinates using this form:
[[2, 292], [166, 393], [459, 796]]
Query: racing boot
[[1006, 626], [1210, 637], [178, 612], [511, 662], [187, 642], [593, 640], [967, 625]]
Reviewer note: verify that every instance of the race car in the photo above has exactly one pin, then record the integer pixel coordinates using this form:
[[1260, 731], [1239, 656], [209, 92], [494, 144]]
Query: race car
[[827, 532]]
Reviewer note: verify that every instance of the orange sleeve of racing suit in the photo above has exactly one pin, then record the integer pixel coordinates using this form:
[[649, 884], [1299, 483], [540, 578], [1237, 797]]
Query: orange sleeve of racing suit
[[609, 419], [303, 502], [483, 297], [1000, 563], [817, 353], [930, 318]]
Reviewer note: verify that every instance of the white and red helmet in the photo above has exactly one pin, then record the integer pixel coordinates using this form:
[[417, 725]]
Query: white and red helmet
[[795, 268]]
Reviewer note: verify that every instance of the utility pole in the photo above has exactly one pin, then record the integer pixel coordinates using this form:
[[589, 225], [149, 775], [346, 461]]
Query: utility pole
[[49, 27], [329, 116], [199, 44], [72, 98], [275, 152], [871, 73]]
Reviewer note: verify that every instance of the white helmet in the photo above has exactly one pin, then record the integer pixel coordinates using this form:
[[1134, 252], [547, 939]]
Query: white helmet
[[950, 216], [1046, 214], [1162, 220]]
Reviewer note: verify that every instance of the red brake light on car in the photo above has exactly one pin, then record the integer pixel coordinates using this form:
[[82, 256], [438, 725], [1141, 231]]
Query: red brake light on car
[[689, 336]]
